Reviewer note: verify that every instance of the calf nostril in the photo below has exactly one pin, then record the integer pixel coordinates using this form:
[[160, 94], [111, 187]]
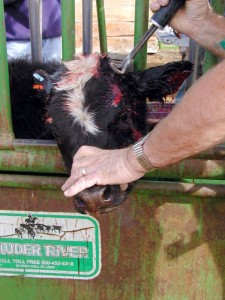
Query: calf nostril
[[106, 193], [80, 203]]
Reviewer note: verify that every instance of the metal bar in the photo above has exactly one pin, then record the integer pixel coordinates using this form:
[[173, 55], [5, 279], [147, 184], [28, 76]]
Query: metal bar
[[193, 56], [156, 188], [6, 129], [42, 162], [46, 158], [87, 26], [218, 6], [68, 29], [210, 59], [217, 152], [141, 25], [26, 145], [179, 188], [35, 20], [32, 156], [102, 26], [192, 168], [31, 182]]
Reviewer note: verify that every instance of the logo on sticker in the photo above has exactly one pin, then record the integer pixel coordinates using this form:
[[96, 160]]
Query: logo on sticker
[[49, 245]]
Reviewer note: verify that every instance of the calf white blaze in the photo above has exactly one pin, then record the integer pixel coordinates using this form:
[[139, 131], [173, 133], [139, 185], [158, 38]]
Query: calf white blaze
[[80, 71]]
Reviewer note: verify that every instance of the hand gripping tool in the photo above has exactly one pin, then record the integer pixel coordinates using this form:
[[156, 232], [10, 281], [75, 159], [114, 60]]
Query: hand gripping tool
[[160, 19]]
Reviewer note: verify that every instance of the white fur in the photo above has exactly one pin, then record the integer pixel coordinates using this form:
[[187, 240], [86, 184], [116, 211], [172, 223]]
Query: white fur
[[80, 71]]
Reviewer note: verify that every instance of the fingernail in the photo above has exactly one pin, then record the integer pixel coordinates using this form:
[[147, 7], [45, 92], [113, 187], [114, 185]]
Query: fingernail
[[66, 193]]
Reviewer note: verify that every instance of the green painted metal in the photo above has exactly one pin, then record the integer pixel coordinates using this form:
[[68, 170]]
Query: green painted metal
[[32, 156], [199, 188], [141, 25], [44, 157], [169, 188], [102, 26], [192, 168], [6, 131], [218, 6], [31, 182], [68, 29], [155, 246], [210, 59], [166, 242]]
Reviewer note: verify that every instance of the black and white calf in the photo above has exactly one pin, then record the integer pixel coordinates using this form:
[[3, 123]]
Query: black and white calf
[[84, 102]]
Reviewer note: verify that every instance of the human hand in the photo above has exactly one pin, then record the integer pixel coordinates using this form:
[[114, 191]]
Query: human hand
[[189, 19], [102, 167]]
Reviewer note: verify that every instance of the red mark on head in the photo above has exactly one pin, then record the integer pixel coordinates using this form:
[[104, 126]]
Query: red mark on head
[[117, 95], [137, 134], [49, 120], [176, 80]]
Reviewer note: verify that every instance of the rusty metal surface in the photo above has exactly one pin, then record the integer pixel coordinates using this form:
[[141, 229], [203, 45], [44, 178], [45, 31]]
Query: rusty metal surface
[[153, 247], [32, 156], [6, 131], [193, 168], [31, 162], [162, 188], [181, 188], [31, 181], [217, 152], [47, 159], [44, 156]]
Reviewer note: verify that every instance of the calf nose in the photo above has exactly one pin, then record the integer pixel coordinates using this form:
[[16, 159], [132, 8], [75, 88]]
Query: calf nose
[[99, 199]]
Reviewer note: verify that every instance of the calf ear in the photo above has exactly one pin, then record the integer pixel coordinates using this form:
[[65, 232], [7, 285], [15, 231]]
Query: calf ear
[[42, 82], [158, 82]]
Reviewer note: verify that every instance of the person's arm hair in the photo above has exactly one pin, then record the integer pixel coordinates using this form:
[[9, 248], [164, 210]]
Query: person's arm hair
[[195, 124], [212, 35]]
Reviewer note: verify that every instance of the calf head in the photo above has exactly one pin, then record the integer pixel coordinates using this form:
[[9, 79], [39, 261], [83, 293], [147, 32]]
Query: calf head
[[84, 102], [92, 105]]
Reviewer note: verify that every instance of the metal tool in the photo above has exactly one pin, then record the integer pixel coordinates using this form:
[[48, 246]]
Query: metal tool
[[35, 20], [160, 19]]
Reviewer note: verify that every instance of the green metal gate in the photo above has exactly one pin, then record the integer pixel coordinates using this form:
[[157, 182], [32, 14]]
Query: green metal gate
[[166, 242]]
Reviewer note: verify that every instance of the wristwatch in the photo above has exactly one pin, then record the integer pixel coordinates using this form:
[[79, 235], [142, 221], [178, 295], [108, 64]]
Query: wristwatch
[[140, 156]]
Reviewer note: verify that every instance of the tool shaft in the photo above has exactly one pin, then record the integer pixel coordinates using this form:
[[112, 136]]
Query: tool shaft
[[143, 41], [160, 19], [123, 66]]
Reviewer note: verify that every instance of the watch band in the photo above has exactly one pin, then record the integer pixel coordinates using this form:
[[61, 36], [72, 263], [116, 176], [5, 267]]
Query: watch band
[[140, 156]]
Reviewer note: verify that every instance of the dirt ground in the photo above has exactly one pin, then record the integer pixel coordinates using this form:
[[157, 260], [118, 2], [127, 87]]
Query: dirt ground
[[163, 56]]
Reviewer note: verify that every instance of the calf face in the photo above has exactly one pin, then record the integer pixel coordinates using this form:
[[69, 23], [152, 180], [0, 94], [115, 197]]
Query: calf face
[[83, 102]]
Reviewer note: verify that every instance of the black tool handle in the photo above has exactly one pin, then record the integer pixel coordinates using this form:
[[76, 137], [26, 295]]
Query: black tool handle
[[165, 13]]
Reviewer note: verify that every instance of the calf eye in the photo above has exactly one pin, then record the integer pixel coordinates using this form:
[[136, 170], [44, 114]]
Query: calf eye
[[123, 117]]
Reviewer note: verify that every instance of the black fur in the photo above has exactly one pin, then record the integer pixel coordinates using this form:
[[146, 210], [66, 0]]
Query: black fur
[[41, 114], [29, 106]]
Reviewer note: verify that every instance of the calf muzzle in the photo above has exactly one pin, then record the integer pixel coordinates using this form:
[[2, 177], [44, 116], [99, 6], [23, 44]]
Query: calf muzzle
[[100, 199]]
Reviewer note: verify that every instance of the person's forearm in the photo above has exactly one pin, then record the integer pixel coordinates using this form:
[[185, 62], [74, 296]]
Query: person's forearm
[[194, 125], [211, 34]]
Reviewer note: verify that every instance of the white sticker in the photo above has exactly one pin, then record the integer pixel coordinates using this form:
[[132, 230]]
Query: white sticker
[[49, 245]]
